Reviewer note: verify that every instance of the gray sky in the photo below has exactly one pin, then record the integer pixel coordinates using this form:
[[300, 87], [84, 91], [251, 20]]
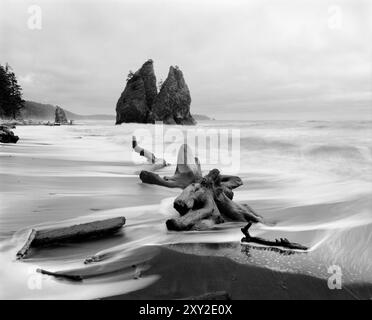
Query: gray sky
[[277, 59]]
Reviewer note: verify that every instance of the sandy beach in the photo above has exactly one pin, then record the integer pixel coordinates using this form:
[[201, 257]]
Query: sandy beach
[[58, 176]]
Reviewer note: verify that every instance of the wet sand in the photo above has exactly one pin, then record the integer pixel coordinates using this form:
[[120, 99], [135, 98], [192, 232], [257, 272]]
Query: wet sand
[[185, 275]]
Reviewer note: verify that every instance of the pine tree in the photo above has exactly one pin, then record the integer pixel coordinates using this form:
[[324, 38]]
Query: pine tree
[[130, 75], [11, 101]]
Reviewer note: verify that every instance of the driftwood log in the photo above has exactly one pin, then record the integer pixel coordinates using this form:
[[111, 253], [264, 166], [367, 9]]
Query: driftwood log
[[60, 275], [157, 163], [205, 201], [282, 243], [39, 238], [188, 170]]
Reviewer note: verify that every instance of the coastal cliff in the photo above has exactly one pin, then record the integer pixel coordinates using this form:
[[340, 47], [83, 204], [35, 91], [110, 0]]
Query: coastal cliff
[[140, 101]]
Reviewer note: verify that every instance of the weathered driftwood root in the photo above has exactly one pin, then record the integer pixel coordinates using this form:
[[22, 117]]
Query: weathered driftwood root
[[39, 238], [205, 201], [203, 204], [234, 211], [283, 242], [199, 212]]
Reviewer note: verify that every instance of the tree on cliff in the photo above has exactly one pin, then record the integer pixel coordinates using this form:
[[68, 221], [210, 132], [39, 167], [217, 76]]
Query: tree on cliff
[[160, 84], [130, 75], [11, 101]]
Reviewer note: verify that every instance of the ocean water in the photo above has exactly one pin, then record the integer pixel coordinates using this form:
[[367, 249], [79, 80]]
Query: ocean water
[[310, 180]]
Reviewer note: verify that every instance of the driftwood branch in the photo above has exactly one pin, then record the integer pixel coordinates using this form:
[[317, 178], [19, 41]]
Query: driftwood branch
[[60, 275], [187, 171], [283, 242], [39, 238], [157, 163]]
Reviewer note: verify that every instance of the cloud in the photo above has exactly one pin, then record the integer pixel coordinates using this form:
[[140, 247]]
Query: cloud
[[277, 58]]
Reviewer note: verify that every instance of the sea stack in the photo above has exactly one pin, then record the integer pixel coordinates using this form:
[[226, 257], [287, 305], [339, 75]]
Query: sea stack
[[60, 116], [135, 102], [140, 101], [172, 104]]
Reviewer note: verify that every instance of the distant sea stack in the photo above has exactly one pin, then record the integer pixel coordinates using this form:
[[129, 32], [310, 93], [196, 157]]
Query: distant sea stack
[[60, 116], [140, 101]]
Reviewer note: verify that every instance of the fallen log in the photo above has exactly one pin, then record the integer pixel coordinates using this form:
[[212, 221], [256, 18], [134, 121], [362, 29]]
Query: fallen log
[[79, 232], [282, 243]]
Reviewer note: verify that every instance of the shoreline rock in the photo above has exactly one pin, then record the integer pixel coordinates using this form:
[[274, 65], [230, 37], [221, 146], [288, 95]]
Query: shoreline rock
[[7, 135], [140, 101]]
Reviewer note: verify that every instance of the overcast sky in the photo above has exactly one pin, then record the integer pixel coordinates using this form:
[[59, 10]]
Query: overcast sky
[[278, 59]]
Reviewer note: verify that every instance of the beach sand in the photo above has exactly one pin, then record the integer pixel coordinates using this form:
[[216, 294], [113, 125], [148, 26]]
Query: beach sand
[[72, 174], [185, 275]]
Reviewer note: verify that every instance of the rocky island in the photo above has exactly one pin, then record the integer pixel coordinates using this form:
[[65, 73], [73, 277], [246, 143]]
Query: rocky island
[[142, 103]]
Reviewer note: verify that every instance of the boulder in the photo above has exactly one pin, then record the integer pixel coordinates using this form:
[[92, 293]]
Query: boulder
[[7, 135]]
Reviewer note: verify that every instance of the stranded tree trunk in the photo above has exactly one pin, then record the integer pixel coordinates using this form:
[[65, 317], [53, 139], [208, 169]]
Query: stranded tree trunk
[[78, 232], [205, 201]]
